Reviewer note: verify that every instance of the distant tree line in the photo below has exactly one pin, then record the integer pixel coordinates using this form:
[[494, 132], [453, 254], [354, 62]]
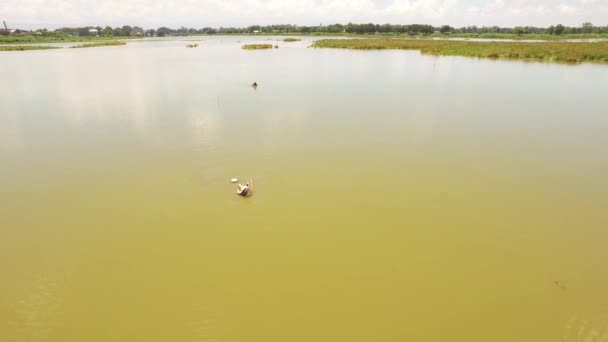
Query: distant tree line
[[414, 29], [384, 28], [586, 28], [105, 31], [86, 31]]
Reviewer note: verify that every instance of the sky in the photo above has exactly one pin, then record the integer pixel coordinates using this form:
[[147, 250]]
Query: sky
[[32, 14]]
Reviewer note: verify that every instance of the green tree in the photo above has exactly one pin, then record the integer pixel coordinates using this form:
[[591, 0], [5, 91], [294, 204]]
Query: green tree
[[83, 31], [559, 29], [335, 28], [126, 30], [137, 31], [163, 31], [386, 28], [587, 28], [107, 31], [446, 29]]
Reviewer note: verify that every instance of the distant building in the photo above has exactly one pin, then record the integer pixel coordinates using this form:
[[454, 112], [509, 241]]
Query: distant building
[[93, 32]]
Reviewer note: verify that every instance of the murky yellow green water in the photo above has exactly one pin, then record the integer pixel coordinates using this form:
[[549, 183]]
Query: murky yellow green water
[[398, 197]]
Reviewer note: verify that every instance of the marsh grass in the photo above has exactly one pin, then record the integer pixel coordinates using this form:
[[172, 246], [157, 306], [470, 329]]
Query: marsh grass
[[513, 36], [27, 47], [99, 44], [563, 52], [257, 46], [291, 40], [31, 39]]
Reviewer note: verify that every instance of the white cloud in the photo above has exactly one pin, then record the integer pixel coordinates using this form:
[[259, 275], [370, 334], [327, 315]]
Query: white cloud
[[568, 9], [199, 13]]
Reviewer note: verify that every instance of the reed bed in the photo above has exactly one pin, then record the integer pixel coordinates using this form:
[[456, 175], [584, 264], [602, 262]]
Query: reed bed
[[99, 44], [257, 46], [563, 52], [32, 39], [27, 47]]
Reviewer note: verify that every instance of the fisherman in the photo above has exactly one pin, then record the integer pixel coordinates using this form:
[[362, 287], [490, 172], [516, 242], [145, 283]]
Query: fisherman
[[244, 190]]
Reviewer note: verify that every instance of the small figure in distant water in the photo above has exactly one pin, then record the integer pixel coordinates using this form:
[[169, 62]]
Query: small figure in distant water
[[254, 85], [244, 190], [560, 285]]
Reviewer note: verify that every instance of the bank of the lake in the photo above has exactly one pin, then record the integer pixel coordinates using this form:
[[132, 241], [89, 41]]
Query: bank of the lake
[[99, 44], [563, 52], [26, 47], [34, 39], [527, 36]]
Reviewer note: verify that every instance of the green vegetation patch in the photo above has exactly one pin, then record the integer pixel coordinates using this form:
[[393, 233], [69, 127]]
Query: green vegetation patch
[[99, 44], [27, 47], [529, 36], [563, 52], [31, 39], [291, 40], [256, 46]]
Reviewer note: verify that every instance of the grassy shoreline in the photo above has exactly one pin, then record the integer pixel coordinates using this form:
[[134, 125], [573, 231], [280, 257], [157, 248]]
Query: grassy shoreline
[[27, 47], [46, 47], [530, 36], [560, 52], [99, 44], [41, 39], [32, 39]]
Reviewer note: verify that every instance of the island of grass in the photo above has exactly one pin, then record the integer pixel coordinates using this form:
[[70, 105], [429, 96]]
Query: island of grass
[[561, 52], [291, 40], [99, 44], [27, 47], [256, 46]]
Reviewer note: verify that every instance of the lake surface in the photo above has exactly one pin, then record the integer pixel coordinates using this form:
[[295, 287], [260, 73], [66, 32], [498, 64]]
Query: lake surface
[[398, 197]]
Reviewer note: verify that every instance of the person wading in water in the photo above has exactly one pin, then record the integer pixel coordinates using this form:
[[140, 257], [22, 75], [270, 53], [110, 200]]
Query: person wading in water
[[244, 190]]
